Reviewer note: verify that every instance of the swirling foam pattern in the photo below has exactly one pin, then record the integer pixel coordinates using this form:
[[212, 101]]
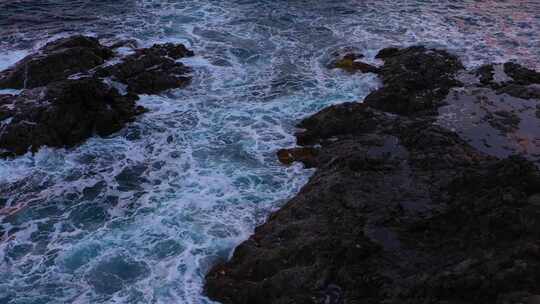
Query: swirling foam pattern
[[140, 217]]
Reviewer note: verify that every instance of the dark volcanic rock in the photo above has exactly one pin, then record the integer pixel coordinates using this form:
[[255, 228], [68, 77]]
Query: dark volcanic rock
[[401, 209], [152, 70], [415, 80], [306, 155], [510, 78], [65, 101], [521, 75], [403, 212], [335, 121], [349, 62], [388, 52], [148, 71], [485, 73], [56, 61], [62, 114]]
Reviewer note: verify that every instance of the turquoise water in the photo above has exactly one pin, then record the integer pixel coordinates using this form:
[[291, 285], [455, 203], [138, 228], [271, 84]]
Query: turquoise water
[[139, 217]]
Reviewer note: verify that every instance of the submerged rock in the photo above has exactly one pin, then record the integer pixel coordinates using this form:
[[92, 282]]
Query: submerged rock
[[401, 209], [65, 99], [114, 273]]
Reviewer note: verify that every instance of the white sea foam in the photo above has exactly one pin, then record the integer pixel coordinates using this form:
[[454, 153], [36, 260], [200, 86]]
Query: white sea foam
[[7, 59], [178, 189], [10, 91]]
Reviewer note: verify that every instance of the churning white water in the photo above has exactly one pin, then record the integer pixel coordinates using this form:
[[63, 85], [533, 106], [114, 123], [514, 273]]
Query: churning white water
[[139, 217]]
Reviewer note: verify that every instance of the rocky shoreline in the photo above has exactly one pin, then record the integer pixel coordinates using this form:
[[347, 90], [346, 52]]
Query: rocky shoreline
[[427, 192], [75, 87]]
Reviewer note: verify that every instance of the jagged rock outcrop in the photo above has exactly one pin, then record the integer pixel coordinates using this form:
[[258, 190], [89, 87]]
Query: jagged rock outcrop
[[350, 63], [415, 80], [152, 70], [69, 93], [56, 61], [63, 114], [510, 78], [401, 209]]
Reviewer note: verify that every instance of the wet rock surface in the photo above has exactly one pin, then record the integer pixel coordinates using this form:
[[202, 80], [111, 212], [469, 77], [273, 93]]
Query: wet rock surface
[[351, 63], [67, 94], [152, 70], [415, 80], [63, 114], [510, 78], [402, 208], [498, 124], [306, 155], [56, 61]]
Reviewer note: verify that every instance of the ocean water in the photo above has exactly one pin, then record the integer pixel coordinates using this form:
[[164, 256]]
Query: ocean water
[[140, 216]]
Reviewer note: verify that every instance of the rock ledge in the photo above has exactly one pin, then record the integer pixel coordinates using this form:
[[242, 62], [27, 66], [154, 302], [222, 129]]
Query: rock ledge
[[400, 209]]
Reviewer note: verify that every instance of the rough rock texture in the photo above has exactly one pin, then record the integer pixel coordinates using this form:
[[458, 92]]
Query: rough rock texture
[[415, 80], [400, 210], [62, 114], [306, 155], [152, 70], [65, 98], [510, 78], [350, 63], [495, 123], [56, 61]]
